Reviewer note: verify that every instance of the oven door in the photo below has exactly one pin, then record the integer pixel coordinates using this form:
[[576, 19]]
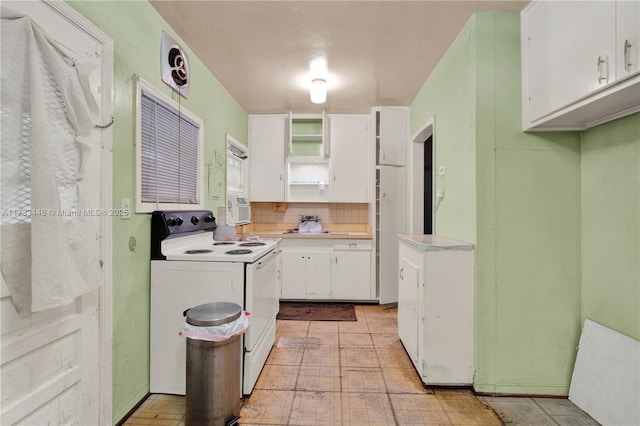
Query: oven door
[[261, 296]]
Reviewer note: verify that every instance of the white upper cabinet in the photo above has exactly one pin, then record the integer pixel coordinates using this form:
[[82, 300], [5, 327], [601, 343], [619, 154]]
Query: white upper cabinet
[[349, 163], [627, 38], [308, 136], [267, 136], [573, 63], [392, 136]]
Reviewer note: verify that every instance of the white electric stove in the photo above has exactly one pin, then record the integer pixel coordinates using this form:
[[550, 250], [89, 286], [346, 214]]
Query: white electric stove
[[189, 268]]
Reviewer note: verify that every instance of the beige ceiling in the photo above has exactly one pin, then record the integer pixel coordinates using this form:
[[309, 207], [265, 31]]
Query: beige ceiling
[[378, 52]]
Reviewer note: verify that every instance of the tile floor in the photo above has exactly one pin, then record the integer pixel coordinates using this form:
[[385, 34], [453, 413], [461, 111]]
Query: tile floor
[[357, 373]]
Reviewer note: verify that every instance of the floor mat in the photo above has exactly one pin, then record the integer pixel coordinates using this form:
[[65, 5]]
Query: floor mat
[[303, 311]]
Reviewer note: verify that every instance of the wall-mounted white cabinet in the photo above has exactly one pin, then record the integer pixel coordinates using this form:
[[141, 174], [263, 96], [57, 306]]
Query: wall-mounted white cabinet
[[267, 173], [392, 125], [580, 63], [350, 171], [308, 135], [290, 158]]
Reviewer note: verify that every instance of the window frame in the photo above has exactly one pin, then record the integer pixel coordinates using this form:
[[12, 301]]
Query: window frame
[[233, 143], [143, 86]]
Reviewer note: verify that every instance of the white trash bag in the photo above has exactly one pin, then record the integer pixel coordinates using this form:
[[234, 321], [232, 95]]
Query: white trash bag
[[217, 333]]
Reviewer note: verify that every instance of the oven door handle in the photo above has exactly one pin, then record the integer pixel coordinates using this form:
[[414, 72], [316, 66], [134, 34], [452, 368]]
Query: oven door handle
[[271, 256]]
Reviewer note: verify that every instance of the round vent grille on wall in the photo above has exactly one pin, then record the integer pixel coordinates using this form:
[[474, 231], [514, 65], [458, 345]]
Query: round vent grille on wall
[[175, 66]]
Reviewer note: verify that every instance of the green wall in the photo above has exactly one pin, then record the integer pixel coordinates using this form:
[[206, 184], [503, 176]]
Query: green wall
[[521, 198], [449, 95], [611, 225], [136, 28]]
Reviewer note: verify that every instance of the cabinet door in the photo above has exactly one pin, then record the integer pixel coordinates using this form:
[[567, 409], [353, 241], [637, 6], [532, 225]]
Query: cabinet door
[[267, 144], [349, 158], [408, 285], [392, 221], [393, 136], [294, 275], [627, 38], [351, 275], [318, 275], [570, 52]]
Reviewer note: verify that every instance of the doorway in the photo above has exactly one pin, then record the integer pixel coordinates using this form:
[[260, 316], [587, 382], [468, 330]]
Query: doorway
[[421, 196], [428, 186], [57, 361]]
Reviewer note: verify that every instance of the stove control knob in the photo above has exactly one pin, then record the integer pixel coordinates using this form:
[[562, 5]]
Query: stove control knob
[[174, 221], [209, 218], [194, 220]]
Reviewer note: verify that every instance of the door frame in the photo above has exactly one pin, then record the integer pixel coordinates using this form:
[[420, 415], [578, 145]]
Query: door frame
[[105, 118], [416, 185]]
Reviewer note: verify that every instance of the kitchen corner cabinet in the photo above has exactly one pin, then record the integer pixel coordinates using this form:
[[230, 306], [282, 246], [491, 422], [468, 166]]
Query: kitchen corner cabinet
[[349, 135], [392, 125], [580, 63], [267, 174], [436, 307], [351, 270]]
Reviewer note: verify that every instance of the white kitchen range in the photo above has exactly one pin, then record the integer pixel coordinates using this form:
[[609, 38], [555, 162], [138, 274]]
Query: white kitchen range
[[189, 268]]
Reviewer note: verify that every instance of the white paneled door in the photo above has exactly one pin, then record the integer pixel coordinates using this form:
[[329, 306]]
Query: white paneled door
[[56, 364]]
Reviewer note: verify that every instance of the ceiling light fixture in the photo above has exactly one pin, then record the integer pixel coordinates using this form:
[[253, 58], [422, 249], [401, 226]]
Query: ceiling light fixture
[[318, 85]]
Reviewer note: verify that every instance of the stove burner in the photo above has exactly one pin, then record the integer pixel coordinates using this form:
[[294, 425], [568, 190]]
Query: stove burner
[[252, 244], [239, 251], [224, 243], [199, 251]]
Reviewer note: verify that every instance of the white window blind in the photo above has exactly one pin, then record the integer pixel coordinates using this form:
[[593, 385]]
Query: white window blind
[[169, 155]]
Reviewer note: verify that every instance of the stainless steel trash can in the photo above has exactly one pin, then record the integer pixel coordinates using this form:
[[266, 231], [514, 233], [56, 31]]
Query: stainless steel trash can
[[213, 368]]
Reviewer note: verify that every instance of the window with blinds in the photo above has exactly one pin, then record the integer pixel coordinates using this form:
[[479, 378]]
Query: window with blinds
[[169, 147]]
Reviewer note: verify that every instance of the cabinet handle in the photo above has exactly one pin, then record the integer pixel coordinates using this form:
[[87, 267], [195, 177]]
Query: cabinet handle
[[280, 177], [353, 245], [627, 56], [402, 273], [334, 178], [336, 260], [602, 76]]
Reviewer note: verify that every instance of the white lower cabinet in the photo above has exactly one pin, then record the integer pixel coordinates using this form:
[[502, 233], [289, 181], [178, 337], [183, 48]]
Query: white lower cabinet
[[408, 287], [436, 307], [306, 269], [351, 270], [326, 269]]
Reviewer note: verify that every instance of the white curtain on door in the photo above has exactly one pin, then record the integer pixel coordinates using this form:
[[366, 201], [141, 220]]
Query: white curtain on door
[[48, 243]]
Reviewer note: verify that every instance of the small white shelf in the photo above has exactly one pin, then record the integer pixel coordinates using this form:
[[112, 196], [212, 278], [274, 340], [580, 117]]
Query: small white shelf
[[307, 159], [306, 138], [308, 183]]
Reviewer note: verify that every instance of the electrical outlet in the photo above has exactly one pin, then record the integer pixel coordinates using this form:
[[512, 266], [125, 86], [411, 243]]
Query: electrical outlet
[[440, 193], [441, 170], [125, 208]]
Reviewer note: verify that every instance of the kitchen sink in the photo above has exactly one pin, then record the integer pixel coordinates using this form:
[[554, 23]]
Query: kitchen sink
[[297, 231]]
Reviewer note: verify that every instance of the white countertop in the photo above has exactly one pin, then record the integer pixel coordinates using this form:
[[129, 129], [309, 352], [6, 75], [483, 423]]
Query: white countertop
[[434, 242]]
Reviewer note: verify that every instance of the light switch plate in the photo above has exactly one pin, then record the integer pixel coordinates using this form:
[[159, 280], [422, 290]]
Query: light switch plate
[[125, 208]]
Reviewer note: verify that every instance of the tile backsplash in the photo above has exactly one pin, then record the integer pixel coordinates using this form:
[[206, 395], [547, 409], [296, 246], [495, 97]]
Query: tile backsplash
[[328, 212]]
